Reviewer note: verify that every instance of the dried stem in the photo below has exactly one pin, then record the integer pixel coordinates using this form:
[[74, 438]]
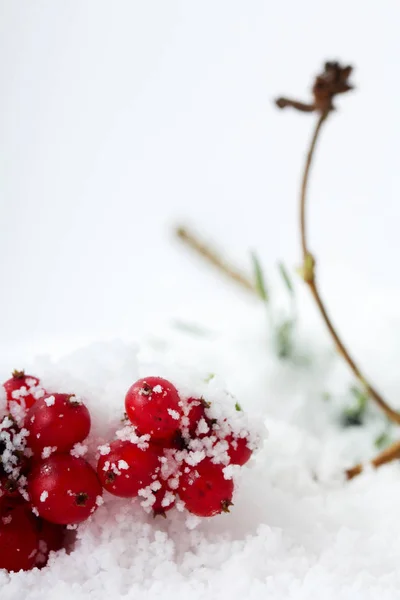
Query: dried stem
[[302, 106], [308, 273], [214, 258], [384, 457]]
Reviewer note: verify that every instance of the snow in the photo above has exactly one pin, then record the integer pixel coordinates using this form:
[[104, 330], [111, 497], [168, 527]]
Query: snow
[[79, 449], [173, 413], [48, 451], [297, 530]]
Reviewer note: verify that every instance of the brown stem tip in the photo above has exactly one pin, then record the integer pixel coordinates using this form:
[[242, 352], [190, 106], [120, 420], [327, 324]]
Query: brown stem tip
[[332, 81]]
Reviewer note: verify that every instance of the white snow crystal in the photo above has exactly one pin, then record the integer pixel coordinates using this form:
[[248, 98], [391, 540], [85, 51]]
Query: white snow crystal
[[202, 427], [79, 450], [50, 400], [192, 521], [48, 451], [104, 449], [43, 496], [173, 413]]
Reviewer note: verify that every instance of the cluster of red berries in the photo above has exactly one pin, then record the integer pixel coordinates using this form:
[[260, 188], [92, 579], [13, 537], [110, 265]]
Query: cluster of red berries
[[173, 451], [45, 483]]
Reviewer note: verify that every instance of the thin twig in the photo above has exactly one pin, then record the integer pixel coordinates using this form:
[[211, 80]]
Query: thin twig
[[215, 259], [302, 106], [308, 273], [384, 457]]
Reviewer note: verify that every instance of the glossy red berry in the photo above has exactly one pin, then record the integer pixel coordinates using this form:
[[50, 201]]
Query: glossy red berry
[[22, 389], [165, 499], [126, 469], [204, 489], [57, 421], [239, 453], [19, 542], [153, 406], [64, 489]]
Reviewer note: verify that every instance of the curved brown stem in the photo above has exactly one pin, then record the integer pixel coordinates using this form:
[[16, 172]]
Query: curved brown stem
[[384, 457], [308, 274]]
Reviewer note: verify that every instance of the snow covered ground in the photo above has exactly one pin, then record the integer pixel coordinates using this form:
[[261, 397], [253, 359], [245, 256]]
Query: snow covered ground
[[297, 529]]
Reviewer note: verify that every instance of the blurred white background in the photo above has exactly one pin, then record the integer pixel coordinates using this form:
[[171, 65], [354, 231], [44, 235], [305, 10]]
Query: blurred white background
[[119, 119]]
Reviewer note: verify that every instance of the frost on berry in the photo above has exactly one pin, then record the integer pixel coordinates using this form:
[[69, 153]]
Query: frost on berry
[[64, 489], [50, 401], [127, 468], [22, 391], [48, 430], [205, 491], [13, 460], [152, 405], [78, 450]]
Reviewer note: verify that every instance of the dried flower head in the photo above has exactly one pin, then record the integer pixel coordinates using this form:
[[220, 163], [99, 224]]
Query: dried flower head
[[332, 81]]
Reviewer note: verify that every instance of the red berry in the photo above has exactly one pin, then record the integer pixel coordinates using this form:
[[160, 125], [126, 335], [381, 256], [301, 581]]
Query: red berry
[[51, 539], [9, 487], [20, 387], [239, 452], [126, 469], [57, 421], [197, 412], [64, 489], [204, 489], [152, 405], [165, 499], [19, 541]]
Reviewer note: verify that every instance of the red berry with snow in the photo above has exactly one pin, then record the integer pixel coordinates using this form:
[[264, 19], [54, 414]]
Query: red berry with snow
[[204, 489], [19, 542], [238, 451], [153, 406], [57, 422], [199, 424], [64, 489], [51, 539], [22, 389], [165, 499], [126, 468], [13, 462]]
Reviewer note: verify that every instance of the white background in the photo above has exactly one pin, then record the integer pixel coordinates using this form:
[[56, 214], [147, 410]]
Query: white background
[[119, 119]]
